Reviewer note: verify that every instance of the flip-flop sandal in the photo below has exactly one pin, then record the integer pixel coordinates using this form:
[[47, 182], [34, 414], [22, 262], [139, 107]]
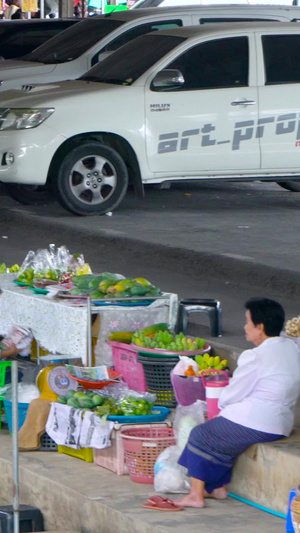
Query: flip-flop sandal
[[158, 499], [163, 506]]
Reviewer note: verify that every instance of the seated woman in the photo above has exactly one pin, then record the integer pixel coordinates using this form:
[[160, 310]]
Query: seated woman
[[256, 406]]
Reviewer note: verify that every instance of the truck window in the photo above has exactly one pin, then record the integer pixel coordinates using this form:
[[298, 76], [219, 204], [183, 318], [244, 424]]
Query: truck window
[[282, 58], [216, 64], [140, 30]]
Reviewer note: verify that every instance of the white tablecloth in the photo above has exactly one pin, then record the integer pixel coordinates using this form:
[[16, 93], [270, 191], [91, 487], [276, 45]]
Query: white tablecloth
[[61, 328]]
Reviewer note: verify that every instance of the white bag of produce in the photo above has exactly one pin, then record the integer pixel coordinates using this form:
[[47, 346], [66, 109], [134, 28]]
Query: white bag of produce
[[169, 476], [186, 418]]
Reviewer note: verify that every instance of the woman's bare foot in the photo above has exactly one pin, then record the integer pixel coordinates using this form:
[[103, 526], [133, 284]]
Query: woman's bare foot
[[190, 500], [218, 494]]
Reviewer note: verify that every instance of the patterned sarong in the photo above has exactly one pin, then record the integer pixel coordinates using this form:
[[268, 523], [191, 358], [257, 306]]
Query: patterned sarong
[[213, 447]]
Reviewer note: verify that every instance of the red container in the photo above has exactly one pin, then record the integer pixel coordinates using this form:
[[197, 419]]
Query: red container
[[112, 374], [188, 389], [125, 362], [142, 446]]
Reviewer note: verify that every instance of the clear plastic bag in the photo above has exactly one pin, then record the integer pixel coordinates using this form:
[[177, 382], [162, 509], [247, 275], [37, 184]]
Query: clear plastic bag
[[186, 418], [183, 364], [26, 271], [169, 476]]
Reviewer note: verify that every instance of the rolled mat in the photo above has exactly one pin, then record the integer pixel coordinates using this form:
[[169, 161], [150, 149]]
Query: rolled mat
[[34, 426]]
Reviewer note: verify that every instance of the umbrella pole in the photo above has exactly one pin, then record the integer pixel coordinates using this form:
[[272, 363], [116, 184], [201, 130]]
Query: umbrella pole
[[15, 445]]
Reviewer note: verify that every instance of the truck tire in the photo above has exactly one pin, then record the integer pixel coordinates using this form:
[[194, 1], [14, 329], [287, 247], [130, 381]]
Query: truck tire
[[291, 185], [92, 179]]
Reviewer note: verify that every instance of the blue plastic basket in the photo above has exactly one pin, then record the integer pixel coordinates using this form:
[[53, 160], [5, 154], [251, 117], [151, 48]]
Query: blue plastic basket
[[22, 410], [160, 414]]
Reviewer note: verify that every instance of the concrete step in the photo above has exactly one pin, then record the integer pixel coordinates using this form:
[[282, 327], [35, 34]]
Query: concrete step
[[80, 496]]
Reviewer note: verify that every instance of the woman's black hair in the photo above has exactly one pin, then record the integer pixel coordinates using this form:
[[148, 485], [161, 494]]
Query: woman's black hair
[[267, 312]]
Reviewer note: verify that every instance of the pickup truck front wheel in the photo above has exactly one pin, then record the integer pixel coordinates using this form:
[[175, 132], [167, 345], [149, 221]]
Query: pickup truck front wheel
[[292, 185], [92, 179]]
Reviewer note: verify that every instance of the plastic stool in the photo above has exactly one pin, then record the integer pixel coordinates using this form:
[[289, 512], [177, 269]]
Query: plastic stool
[[205, 305], [31, 519], [3, 366]]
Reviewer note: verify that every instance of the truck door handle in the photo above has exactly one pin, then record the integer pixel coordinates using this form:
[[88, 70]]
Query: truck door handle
[[243, 102]]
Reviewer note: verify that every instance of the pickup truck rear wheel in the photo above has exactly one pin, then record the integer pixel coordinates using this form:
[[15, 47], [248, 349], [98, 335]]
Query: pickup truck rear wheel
[[92, 179], [30, 194], [292, 185]]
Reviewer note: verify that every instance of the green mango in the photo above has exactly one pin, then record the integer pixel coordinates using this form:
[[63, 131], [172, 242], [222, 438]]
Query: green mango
[[72, 402], [97, 400], [62, 399], [70, 394], [86, 403]]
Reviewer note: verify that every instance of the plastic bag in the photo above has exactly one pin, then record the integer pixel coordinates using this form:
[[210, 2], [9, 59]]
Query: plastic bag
[[26, 392], [186, 418], [169, 476], [183, 365], [26, 271], [43, 265]]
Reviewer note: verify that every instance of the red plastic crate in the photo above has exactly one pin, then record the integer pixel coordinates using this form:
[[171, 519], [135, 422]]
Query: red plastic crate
[[125, 362]]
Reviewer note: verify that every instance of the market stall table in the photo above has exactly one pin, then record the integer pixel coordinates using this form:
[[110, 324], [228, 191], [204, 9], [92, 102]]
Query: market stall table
[[62, 327]]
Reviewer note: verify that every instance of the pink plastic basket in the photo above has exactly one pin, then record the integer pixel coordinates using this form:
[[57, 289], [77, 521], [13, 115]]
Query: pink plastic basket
[[125, 362], [142, 446], [188, 389]]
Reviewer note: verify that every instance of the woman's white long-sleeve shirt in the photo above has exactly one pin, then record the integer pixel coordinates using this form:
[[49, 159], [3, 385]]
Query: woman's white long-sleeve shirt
[[264, 388]]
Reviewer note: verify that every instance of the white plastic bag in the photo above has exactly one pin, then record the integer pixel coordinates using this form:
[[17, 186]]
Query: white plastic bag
[[183, 364], [26, 392], [169, 476], [186, 418]]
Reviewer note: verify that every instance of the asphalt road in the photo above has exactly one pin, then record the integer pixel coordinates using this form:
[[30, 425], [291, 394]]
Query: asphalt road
[[228, 241]]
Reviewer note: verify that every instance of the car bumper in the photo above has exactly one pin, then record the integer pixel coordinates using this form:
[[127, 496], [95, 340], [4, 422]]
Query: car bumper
[[25, 155]]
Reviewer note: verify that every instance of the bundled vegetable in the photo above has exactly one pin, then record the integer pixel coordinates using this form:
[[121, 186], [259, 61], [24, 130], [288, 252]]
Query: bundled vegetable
[[292, 327]]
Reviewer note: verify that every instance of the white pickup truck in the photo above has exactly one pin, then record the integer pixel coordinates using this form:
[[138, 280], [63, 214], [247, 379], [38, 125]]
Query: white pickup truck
[[214, 102]]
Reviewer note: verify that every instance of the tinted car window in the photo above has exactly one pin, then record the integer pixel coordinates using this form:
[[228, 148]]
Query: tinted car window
[[73, 42], [20, 38], [282, 58], [140, 30], [130, 61], [215, 64]]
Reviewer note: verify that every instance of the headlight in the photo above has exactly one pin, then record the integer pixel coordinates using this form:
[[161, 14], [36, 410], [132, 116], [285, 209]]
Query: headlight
[[23, 118]]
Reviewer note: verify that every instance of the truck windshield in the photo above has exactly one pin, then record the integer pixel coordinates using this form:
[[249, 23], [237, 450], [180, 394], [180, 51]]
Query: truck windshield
[[73, 42], [130, 61]]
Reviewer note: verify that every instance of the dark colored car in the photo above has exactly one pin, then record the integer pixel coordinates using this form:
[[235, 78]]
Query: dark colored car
[[19, 37]]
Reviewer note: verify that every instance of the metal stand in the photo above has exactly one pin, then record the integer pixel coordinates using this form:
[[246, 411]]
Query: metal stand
[[89, 332], [15, 445]]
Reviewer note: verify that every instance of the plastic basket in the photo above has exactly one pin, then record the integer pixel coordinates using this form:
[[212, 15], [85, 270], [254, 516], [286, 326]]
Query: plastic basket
[[142, 446], [22, 412], [113, 458], [125, 362], [158, 380], [47, 444], [86, 454], [188, 389]]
